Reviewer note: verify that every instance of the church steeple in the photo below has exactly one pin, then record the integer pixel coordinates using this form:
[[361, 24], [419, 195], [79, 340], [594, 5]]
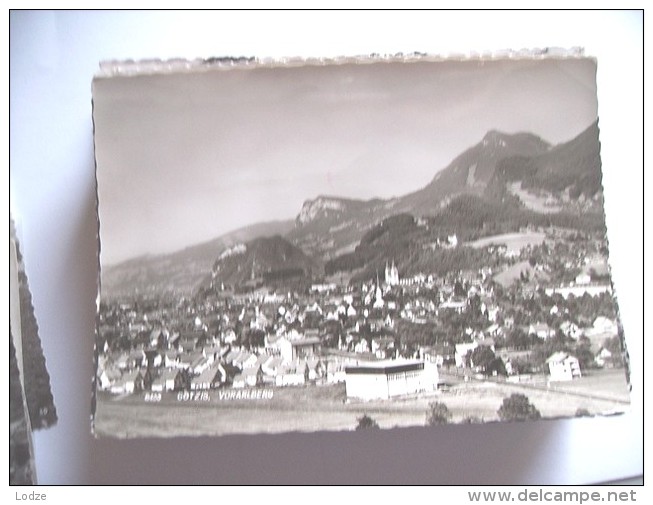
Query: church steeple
[[391, 274], [378, 295]]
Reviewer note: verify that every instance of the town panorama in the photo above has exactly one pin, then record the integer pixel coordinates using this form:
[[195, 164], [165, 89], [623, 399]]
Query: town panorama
[[483, 296]]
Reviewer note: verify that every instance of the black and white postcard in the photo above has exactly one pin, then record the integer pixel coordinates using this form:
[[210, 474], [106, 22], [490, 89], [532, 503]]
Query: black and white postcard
[[357, 243], [31, 403]]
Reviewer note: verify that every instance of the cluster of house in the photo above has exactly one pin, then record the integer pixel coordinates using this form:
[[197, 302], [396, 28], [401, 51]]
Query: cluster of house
[[210, 364], [190, 347], [284, 361], [331, 334], [562, 366]]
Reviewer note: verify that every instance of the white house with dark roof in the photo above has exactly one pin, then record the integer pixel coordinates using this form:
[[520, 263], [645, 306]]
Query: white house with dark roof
[[457, 306], [245, 360], [249, 377], [604, 324], [563, 367], [171, 359], [108, 377], [386, 379], [316, 368], [261, 359], [603, 357], [130, 382], [157, 337], [461, 351], [173, 340], [200, 364], [231, 355], [383, 347], [298, 348], [292, 374], [169, 380], [211, 378], [271, 366], [541, 330], [571, 330], [229, 336]]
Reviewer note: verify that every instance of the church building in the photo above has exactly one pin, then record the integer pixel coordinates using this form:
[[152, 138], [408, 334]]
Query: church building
[[391, 275]]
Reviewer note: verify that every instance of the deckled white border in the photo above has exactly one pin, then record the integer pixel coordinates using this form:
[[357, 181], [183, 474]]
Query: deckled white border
[[112, 68]]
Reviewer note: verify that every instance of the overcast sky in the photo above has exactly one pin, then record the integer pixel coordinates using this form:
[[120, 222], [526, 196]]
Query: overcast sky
[[183, 158]]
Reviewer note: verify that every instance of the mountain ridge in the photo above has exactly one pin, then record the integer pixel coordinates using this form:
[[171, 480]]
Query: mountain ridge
[[263, 260], [180, 270], [330, 226]]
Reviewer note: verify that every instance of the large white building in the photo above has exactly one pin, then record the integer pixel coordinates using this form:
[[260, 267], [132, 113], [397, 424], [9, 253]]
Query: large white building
[[386, 379], [563, 367]]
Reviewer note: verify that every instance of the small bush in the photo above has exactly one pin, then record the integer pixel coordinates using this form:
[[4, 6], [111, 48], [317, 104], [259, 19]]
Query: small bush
[[438, 414], [366, 422], [517, 407]]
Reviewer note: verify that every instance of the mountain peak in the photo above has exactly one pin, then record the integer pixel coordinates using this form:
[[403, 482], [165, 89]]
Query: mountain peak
[[261, 260], [493, 135], [496, 138], [319, 206]]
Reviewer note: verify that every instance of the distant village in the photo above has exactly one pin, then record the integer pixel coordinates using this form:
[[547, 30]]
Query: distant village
[[538, 312]]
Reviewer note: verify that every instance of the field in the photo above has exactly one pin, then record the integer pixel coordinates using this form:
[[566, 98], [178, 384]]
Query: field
[[513, 241], [514, 272], [542, 204], [323, 408], [601, 392]]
